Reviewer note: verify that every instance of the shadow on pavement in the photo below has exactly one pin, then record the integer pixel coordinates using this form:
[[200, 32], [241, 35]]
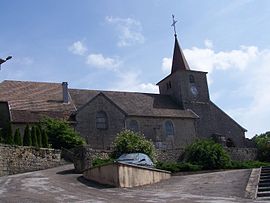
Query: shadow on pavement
[[93, 184], [66, 172]]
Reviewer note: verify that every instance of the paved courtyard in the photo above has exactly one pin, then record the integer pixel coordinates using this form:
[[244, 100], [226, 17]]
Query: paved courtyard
[[62, 185]]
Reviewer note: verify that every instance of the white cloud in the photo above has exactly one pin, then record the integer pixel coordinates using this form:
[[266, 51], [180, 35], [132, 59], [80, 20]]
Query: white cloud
[[130, 30], [166, 65], [99, 61], [208, 43], [130, 81], [78, 48]]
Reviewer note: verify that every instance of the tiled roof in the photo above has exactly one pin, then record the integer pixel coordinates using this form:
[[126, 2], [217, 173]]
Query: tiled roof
[[135, 104], [31, 101]]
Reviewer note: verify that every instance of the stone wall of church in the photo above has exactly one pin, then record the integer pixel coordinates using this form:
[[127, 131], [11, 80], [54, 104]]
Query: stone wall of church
[[18, 159], [226, 126], [86, 122], [154, 129]]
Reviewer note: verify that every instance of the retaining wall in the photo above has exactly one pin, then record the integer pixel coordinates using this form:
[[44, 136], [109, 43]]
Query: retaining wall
[[18, 159]]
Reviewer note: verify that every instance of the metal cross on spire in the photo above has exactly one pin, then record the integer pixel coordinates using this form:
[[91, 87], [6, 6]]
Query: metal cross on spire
[[173, 24]]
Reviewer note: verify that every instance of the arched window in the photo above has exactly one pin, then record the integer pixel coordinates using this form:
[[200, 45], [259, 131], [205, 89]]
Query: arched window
[[133, 125], [191, 79], [101, 120], [169, 129], [230, 143]]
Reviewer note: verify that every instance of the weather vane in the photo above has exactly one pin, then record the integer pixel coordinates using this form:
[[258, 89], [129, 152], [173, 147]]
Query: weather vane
[[173, 24]]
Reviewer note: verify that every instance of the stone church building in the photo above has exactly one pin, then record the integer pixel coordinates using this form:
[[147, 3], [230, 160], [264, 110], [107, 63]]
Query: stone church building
[[180, 113]]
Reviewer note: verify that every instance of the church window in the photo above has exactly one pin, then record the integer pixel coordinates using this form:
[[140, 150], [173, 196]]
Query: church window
[[169, 129], [101, 120], [169, 85], [230, 143], [191, 79], [134, 126]]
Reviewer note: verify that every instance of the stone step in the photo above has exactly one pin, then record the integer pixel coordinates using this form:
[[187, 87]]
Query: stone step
[[263, 180], [264, 184], [261, 189], [266, 167], [263, 198], [263, 194]]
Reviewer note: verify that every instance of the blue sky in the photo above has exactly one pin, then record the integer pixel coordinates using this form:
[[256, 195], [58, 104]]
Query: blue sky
[[127, 45]]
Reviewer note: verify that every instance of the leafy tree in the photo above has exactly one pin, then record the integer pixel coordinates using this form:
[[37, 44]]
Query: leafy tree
[[44, 139], [60, 134], [263, 144], [208, 154], [17, 137], [39, 139], [34, 136], [27, 141], [128, 141]]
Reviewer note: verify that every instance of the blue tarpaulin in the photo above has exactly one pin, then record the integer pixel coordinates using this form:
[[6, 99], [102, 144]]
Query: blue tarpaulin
[[136, 158]]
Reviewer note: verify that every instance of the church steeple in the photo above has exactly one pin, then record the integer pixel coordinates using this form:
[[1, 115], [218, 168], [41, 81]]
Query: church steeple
[[179, 61]]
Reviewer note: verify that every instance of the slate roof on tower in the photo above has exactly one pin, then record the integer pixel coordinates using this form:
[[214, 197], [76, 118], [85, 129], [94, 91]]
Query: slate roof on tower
[[179, 61]]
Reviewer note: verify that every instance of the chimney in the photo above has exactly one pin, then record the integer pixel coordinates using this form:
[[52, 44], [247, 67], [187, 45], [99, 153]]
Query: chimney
[[65, 92]]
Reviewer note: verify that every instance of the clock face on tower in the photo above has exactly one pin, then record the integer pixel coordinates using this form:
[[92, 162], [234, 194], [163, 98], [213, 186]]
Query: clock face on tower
[[194, 90]]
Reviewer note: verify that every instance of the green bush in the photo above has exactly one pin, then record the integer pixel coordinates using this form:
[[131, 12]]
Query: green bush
[[44, 138], [17, 137], [263, 144], [60, 134], [7, 135], [27, 141], [208, 154], [128, 141], [34, 137], [178, 167], [39, 139]]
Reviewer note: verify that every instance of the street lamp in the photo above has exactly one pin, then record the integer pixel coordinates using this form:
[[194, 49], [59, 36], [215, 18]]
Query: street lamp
[[4, 60]]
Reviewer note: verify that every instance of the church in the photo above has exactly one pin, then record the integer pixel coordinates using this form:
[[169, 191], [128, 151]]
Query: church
[[181, 113]]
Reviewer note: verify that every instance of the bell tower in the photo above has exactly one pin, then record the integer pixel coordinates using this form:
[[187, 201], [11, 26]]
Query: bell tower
[[185, 86]]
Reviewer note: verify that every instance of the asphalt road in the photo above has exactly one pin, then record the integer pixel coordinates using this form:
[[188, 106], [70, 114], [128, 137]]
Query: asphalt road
[[62, 185]]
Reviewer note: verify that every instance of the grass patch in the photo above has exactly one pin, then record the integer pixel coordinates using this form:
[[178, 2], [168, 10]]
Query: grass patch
[[101, 162], [178, 166], [247, 164]]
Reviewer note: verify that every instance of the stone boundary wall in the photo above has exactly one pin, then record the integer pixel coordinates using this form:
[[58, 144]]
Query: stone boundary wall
[[18, 159], [242, 154], [83, 156]]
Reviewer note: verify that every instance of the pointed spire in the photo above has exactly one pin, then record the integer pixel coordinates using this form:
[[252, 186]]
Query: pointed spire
[[179, 61]]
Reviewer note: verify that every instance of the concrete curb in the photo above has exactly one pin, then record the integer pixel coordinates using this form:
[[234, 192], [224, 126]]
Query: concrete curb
[[252, 185]]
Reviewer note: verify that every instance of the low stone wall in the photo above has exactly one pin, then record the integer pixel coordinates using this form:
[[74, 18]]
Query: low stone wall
[[18, 159], [83, 157], [170, 155], [242, 154]]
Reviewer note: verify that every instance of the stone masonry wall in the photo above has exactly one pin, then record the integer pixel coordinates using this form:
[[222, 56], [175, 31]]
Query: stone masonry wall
[[83, 156], [242, 154], [18, 159]]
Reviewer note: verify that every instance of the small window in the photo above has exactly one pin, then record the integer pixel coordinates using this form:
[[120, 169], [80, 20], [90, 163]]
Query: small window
[[134, 126], [101, 120], [191, 79], [169, 129], [169, 85]]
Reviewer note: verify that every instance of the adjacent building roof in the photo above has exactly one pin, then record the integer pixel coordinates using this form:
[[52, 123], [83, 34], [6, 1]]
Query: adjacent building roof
[[134, 103], [31, 101]]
